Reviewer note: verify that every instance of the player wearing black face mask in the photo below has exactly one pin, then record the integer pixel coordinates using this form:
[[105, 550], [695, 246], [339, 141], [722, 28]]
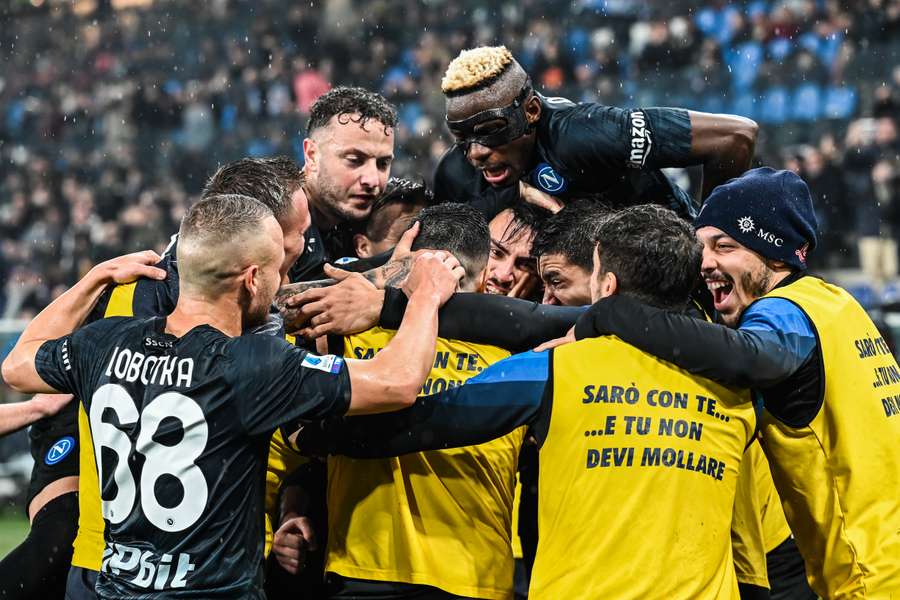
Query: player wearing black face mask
[[507, 133]]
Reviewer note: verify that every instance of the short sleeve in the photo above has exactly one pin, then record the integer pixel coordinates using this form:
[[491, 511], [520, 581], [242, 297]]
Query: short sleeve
[[53, 363], [73, 363], [606, 137], [278, 383], [777, 318]]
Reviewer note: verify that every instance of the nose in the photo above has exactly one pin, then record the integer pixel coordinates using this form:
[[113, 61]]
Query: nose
[[549, 298], [477, 152], [503, 271], [368, 177], [708, 264]]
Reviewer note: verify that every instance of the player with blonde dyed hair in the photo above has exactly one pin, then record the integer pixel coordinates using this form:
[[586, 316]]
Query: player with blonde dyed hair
[[512, 142]]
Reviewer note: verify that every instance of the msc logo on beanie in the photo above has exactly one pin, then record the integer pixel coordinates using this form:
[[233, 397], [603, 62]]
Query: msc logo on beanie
[[767, 211]]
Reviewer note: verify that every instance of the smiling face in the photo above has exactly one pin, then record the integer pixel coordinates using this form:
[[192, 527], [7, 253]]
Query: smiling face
[[347, 167], [735, 275], [565, 283], [510, 268]]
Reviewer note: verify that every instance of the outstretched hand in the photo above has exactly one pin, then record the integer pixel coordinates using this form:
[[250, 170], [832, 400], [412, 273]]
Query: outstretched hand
[[349, 306]]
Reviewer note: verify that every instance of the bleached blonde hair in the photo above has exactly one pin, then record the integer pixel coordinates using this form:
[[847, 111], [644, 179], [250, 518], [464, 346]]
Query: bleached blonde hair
[[476, 68]]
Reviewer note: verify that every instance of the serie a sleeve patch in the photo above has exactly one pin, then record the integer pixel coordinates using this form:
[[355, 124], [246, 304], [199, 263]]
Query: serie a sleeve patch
[[328, 363]]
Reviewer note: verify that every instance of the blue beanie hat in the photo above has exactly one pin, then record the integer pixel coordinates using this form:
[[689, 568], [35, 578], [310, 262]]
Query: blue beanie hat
[[768, 211]]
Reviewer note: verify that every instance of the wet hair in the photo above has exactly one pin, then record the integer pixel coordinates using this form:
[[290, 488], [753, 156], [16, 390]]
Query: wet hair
[[526, 218], [459, 229], [351, 104], [399, 190], [476, 69], [654, 254], [271, 181], [571, 232]]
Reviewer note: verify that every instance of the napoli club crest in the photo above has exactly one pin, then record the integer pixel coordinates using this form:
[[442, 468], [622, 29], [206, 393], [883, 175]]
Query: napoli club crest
[[59, 450], [547, 179]]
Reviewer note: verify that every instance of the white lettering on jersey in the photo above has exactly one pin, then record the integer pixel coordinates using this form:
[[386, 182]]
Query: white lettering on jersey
[[150, 569], [165, 370], [641, 142]]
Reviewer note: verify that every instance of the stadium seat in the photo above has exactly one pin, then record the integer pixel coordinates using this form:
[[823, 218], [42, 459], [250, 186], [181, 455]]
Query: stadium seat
[[829, 48], [579, 44], [864, 294], [891, 293], [810, 41], [743, 63], [744, 104], [713, 102], [759, 7], [779, 49], [807, 102], [228, 120], [706, 21], [774, 106], [839, 103]]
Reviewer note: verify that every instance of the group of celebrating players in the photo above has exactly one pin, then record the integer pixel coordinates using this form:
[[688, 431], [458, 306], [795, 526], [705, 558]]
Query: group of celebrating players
[[326, 385]]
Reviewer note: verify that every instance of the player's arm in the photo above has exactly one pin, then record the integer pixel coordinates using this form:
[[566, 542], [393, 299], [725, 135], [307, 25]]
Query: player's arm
[[67, 313], [16, 415], [511, 323], [657, 138], [765, 351], [723, 144], [508, 394]]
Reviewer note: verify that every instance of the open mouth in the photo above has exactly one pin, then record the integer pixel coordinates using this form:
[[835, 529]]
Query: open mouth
[[721, 290], [496, 174], [491, 288]]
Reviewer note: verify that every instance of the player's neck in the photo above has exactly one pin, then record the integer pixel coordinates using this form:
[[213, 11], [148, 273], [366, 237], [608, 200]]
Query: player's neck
[[223, 314]]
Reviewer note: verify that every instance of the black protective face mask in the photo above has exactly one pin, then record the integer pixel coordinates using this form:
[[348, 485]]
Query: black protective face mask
[[509, 123]]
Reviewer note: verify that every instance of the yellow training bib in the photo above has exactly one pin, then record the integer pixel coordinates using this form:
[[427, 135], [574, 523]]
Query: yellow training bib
[[638, 474], [839, 477], [440, 518]]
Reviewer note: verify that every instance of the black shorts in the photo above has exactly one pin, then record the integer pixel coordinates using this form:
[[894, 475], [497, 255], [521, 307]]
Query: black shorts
[[787, 573], [54, 447], [81, 583], [37, 567], [347, 588]]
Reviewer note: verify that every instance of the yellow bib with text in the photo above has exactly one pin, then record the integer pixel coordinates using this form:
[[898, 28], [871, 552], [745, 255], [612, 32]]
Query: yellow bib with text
[[440, 518], [839, 477], [638, 475]]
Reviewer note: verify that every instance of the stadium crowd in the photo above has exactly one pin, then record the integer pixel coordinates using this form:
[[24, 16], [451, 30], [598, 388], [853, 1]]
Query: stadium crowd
[[119, 123]]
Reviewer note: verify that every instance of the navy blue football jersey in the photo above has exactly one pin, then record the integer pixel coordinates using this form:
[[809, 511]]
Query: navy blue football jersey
[[611, 154], [181, 430]]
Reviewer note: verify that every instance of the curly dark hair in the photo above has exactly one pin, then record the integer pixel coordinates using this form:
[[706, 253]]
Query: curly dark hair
[[654, 254], [353, 104]]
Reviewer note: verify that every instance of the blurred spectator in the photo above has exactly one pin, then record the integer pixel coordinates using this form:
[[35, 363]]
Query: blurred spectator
[[111, 122]]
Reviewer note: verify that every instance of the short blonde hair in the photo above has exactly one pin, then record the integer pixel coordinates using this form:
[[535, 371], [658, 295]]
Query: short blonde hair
[[476, 68]]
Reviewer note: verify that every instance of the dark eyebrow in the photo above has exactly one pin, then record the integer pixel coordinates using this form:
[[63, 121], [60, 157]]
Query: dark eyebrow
[[499, 245]]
